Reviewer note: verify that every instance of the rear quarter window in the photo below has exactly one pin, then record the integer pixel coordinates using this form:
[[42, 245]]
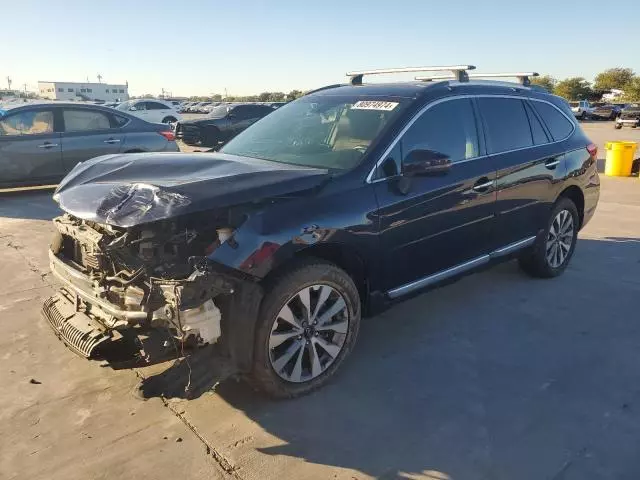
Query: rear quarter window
[[559, 126], [506, 123]]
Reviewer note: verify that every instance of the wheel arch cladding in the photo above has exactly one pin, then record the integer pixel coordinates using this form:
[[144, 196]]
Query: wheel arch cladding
[[343, 256], [574, 193]]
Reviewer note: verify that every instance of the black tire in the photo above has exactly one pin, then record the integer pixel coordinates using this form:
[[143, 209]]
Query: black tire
[[583, 116], [618, 126], [211, 138], [534, 261], [279, 292], [169, 120]]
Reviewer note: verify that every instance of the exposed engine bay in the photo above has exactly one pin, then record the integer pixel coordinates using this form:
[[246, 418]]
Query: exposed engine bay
[[154, 275]]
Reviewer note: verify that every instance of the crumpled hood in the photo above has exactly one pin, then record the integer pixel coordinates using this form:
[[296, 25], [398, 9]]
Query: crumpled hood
[[130, 189]]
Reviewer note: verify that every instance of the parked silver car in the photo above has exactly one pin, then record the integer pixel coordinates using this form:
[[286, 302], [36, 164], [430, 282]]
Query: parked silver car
[[41, 142]]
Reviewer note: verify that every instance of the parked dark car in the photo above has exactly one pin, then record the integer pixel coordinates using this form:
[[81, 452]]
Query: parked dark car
[[333, 206], [605, 112], [41, 142], [629, 117], [222, 124]]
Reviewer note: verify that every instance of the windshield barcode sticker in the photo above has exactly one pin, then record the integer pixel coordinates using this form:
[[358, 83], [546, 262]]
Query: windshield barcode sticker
[[372, 105]]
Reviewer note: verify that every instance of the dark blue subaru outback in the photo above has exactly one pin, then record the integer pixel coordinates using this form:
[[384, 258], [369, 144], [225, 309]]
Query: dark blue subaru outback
[[333, 206]]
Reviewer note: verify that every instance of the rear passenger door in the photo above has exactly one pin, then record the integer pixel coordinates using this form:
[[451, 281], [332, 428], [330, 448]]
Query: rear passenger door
[[431, 223], [529, 168], [30, 148], [88, 133]]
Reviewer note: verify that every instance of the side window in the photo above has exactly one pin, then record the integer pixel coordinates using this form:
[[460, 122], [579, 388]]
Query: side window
[[84, 120], [539, 135], [140, 106], [506, 122], [119, 121], [559, 126], [156, 106], [448, 128], [240, 112], [27, 123]]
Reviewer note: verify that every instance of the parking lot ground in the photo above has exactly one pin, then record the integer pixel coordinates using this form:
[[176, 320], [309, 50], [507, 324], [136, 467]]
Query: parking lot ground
[[497, 376]]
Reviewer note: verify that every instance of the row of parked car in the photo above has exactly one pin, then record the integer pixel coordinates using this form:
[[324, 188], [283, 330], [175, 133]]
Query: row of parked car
[[41, 141], [207, 107], [624, 114]]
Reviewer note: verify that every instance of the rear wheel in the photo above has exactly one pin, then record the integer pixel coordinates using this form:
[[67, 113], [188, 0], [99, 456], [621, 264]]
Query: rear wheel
[[554, 248], [618, 126], [307, 326]]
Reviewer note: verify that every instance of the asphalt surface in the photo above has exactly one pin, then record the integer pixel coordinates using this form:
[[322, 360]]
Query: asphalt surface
[[497, 376]]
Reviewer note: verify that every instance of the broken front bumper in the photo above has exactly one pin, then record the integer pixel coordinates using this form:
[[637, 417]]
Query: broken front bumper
[[84, 319], [82, 286]]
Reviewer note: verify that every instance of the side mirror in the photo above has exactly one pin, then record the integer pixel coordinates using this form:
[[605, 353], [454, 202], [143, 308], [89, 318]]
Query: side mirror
[[231, 115], [133, 109], [425, 162]]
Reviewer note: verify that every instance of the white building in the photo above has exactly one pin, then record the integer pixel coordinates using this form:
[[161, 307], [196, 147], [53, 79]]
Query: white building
[[83, 91]]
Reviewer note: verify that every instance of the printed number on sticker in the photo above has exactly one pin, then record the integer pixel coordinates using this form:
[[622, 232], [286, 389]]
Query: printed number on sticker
[[373, 105]]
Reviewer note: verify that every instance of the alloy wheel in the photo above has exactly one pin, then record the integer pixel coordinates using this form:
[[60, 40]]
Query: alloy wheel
[[559, 239], [308, 333]]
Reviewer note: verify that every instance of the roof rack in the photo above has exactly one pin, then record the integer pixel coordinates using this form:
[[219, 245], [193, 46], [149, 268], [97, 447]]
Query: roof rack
[[523, 77], [459, 72]]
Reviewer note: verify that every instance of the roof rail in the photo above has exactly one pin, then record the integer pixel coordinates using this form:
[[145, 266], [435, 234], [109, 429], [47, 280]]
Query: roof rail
[[459, 72], [523, 77]]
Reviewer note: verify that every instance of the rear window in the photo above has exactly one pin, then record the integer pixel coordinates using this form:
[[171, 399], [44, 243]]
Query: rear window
[[507, 124], [559, 126]]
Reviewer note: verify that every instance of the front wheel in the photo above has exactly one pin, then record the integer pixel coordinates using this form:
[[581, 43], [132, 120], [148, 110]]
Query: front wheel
[[618, 126], [307, 326], [554, 248]]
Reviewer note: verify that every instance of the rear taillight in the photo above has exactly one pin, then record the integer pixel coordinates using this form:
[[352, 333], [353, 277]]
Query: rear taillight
[[592, 148], [169, 135]]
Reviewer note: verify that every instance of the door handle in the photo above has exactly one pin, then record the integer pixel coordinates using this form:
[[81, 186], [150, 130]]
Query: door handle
[[48, 145], [112, 140], [552, 163], [483, 185]]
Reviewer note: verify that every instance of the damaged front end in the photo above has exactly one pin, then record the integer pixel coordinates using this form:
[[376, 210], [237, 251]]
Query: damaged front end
[[140, 278]]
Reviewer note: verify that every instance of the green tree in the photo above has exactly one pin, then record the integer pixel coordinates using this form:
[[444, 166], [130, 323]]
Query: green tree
[[632, 90], [545, 81], [575, 88], [293, 94], [276, 97], [617, 78], [264, 96]]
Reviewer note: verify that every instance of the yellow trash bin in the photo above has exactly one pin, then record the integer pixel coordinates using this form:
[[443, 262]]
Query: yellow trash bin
[[619, 158]]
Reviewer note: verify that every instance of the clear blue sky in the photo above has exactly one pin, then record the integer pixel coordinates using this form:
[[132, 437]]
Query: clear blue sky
[[247, 46]]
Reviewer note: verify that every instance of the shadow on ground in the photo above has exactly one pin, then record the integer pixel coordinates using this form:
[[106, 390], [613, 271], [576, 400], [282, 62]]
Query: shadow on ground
[[498, 376], [28, 205]]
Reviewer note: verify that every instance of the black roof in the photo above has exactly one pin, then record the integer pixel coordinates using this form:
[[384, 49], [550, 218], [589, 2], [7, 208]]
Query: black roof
[[416, 89]]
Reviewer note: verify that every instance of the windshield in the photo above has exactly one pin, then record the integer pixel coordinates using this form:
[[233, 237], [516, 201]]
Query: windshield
[[331, 132], [219, 111], [124, 106]]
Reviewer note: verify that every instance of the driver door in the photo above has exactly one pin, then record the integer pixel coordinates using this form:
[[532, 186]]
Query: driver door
[[434, 222]]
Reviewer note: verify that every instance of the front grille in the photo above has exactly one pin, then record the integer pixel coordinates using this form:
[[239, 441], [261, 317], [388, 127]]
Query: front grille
[[187, 131], [79, 332]]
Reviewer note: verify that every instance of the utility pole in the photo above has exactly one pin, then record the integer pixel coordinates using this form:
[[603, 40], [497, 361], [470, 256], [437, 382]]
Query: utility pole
[[9, 81], [99, 78]]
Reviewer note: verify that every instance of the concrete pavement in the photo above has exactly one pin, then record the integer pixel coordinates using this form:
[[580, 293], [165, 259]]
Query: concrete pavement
[[497, 376]]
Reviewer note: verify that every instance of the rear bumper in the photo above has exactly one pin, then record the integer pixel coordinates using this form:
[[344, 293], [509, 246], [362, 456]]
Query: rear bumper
[[628, 121]]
